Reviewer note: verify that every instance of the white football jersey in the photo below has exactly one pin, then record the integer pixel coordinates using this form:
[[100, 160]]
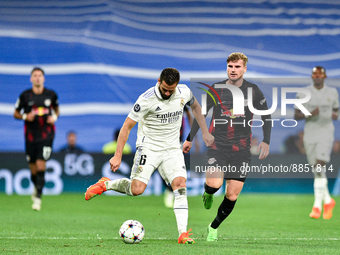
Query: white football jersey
[[159, 120], [320, 127]]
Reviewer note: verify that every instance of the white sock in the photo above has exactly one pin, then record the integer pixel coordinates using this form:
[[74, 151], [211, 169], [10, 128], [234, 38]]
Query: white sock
[[181, 209], [326, 196], [319, 191], [120, 185]]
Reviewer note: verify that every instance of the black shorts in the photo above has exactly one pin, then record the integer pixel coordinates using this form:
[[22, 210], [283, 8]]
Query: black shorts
[[41, 150], [233, 164]]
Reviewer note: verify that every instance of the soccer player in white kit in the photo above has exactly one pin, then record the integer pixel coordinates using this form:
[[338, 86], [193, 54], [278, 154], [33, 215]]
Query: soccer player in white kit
[[319, 136], [159, 113]]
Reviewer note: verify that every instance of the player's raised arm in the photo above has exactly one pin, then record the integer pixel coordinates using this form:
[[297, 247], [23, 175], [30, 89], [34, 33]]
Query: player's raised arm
[[122, 139]]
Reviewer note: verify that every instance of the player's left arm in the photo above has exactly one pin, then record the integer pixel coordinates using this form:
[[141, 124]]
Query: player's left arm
[[51, 119], [197, 112], [195, 126], [335, 112], [260, 103]]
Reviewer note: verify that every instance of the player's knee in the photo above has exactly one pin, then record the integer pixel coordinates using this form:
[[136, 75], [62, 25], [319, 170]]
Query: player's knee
[[136, 191], [320, 162], [137, 188], [232, 196], [178, 183], [214, 183], [40, 164]]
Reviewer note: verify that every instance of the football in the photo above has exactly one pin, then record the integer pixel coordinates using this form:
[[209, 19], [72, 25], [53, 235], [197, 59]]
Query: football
[[132, 231]]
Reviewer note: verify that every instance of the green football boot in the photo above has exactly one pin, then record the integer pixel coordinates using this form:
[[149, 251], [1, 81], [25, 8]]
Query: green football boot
[[212, 234], [208, 200]]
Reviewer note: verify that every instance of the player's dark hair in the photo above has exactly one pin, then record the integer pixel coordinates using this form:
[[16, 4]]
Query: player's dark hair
[[170, 76], [319, 67], [37, 69]]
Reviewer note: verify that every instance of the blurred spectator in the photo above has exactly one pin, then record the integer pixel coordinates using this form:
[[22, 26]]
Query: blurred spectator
[[71, 146], [336, 147], [294, 144], [254, 145], [110, 147]]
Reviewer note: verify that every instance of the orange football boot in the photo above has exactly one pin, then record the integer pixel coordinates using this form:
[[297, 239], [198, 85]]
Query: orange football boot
[[184, 238], [316, 212], [96, 189], [328, 210]]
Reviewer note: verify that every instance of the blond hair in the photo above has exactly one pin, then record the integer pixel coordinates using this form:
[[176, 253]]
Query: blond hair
[[236, 56]]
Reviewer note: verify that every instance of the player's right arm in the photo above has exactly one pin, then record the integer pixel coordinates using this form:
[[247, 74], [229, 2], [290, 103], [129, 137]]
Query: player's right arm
[[298, 115], [18, 106], [335, 105], [122, 139]]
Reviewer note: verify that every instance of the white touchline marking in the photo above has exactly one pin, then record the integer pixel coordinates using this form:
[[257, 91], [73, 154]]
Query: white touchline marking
[[161, 238]]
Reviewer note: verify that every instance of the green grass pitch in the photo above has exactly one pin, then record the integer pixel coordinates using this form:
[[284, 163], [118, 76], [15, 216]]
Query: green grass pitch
[[259, 224]]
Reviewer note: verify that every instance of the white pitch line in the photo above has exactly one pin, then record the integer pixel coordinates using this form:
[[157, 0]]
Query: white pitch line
[[224, 238]]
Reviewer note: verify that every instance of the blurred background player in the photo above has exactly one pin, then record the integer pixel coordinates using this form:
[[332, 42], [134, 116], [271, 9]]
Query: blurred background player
[[336, 147], [294, 144], [319, 136], [71, 145], [159, 113], [40, 112], [110, 147]]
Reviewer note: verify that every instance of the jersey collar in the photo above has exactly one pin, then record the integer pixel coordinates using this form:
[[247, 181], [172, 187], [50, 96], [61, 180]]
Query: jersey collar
[[323, 90]]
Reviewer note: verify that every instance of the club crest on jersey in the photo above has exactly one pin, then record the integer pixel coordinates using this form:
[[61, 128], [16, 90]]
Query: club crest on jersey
[[182, 103], [211, 161], [47, 102], [136, 108], [41, 111], [140, 169]]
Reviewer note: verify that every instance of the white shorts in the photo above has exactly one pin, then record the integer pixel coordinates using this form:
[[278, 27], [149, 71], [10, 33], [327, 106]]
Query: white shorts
[[319, 151], [170, 164]]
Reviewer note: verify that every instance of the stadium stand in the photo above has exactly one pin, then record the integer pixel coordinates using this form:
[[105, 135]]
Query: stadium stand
[[100, 55]]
